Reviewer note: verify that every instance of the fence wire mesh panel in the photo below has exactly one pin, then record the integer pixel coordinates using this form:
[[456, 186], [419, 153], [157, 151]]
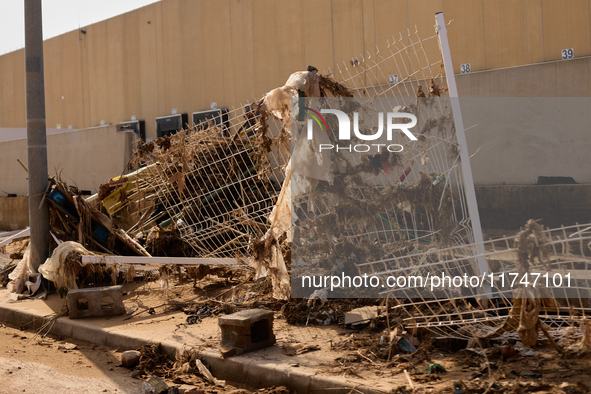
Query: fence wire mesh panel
[[545, 268], [216, 182], [232, 185], [403, 215], [373, 206]]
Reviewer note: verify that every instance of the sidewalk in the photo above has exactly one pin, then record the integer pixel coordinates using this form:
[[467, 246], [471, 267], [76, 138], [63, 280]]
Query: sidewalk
[[267, 367]]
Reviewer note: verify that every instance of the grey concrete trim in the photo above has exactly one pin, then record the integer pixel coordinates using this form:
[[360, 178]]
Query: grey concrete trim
[[249, 371], [231, 262]]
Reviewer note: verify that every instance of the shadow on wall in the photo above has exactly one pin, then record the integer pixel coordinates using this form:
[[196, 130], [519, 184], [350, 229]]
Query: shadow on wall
[[14, 213], [510, 206]]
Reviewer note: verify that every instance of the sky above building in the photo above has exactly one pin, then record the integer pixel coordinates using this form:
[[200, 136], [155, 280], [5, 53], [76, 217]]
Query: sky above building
[[59, 17]]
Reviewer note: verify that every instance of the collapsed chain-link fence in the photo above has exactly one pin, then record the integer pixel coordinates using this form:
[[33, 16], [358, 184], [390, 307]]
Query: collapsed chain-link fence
[[385, 213], [376, 205]]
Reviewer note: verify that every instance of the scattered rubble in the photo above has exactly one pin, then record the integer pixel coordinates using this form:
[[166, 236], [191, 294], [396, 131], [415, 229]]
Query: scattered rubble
[[218, 207], [292, 349], [187, 371], [95, 302], [246, 331], [130, 358], [22, 280]]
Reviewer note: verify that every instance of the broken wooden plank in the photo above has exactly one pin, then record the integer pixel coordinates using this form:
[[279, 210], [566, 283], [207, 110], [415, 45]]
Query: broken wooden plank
[[229, 261], [21, 234]]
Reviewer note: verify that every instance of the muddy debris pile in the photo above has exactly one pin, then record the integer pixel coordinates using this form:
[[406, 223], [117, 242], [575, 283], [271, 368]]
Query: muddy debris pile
[[187, 372], [217, 190]]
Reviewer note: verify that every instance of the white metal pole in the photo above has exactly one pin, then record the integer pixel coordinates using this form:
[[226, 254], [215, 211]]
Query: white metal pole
[[461, 136]]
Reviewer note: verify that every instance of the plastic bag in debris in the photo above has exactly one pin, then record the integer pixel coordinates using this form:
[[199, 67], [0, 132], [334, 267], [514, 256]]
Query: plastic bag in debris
[[310, 163], [529, 319], [28, 285], [56, 268], [280, 279], [320, 294], [306, 81], [24, 279], [24, 266], [277, 270], [280, 219], [278, 101]]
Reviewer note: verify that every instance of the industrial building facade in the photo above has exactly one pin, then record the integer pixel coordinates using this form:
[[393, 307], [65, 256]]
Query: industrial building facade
[[186, 55]]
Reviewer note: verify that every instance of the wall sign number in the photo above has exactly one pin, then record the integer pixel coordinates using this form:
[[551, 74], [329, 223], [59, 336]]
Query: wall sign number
[[393, 79], [568, 54], [465, 68]]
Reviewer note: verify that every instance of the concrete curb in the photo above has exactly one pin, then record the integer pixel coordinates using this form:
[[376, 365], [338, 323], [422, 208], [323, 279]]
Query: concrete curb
[[249, 371]]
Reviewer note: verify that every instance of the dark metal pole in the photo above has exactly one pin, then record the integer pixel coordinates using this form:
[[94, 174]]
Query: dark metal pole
[[36, 132]]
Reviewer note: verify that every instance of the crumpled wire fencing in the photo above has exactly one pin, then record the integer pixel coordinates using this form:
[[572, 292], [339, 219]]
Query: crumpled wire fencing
[[548, 267], [385, 204], [215, 182]]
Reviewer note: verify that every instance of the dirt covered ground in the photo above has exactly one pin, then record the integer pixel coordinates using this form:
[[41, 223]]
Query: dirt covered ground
[[309, 338], [361, 356], [56, 365]]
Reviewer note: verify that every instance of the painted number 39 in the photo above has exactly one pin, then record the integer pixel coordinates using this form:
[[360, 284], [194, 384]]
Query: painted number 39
[[568, 54], [465, 68]]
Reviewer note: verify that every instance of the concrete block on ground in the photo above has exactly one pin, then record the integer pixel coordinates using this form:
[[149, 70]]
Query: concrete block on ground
[[246, 331], [95, 301]]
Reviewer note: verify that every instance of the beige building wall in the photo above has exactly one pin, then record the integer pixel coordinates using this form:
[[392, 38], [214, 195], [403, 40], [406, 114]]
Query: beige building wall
[[14, 213], [82, 158], [508, 148], [186, 54]]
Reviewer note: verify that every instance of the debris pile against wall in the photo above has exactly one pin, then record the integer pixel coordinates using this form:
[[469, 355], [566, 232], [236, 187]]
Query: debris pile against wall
[[354, 209], [223, 189], [217, 191], [24, 281], [537, 281], [72, 218], [206, 191], [64, 265]]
